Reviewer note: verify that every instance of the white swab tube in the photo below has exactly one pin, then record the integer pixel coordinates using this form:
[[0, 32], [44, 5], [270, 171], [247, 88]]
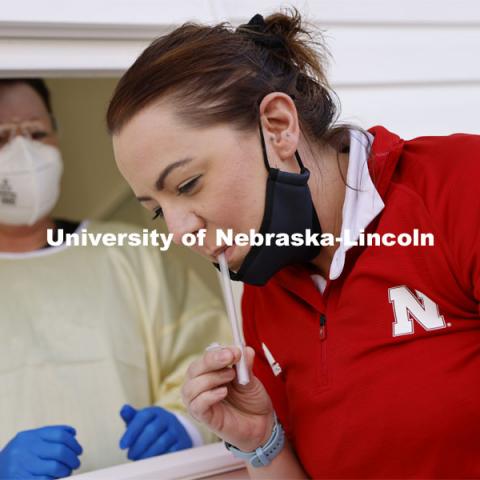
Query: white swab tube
[[241, 366]]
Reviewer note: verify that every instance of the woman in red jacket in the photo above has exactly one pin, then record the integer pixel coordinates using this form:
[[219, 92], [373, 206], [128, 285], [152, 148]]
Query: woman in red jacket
[[366, 356]]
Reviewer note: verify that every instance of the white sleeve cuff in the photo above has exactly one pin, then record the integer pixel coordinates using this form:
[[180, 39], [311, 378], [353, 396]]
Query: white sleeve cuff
[[191, 429]]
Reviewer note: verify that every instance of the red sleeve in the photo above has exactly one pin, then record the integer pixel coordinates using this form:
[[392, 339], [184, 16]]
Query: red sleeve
[[462, 210], [261, 368], [446, 172]]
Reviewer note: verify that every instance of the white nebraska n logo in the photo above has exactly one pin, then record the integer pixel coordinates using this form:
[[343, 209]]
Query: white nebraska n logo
[[407, 306]]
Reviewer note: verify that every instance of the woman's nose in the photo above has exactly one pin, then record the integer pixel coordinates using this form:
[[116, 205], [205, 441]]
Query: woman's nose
[[180, 223]]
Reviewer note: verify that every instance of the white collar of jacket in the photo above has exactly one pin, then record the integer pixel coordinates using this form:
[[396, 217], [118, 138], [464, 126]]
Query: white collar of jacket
[[361, 205]]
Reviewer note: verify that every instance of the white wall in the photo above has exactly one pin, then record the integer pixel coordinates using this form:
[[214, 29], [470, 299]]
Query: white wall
[[411, 65]]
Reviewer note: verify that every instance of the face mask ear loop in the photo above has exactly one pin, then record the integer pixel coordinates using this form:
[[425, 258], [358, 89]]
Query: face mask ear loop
[[264, 148], [300, 163]]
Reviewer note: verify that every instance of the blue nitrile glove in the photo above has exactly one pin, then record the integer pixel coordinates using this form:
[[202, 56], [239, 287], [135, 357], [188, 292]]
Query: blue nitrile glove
[[43, 453], [152, 431]]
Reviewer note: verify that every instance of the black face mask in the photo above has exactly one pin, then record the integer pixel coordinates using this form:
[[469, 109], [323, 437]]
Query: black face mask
[[288, 209]]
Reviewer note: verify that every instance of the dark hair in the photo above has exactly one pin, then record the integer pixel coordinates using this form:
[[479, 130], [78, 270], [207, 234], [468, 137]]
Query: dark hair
[[37, 84], [216, 74]]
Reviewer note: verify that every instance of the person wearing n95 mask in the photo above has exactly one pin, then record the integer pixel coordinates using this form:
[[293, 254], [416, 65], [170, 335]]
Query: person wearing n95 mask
[[29, 180], [95, 340]]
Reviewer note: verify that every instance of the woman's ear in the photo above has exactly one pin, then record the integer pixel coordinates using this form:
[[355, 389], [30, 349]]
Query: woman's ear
[[279, 120]]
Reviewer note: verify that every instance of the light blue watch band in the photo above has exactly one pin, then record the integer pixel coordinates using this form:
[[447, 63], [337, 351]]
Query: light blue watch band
[[263, 455]]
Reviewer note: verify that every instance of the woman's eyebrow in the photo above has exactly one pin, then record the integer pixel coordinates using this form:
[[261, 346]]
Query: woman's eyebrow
[[160, 183]]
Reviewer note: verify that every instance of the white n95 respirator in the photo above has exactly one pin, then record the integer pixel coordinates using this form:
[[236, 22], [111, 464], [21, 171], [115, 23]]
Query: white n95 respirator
[[30, 173]]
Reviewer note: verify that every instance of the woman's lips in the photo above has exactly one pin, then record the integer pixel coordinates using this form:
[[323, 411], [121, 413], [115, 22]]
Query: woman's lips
[[226, 250], [213, 256]]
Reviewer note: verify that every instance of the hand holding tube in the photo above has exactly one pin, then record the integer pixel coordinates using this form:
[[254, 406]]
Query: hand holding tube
[[239, 414]]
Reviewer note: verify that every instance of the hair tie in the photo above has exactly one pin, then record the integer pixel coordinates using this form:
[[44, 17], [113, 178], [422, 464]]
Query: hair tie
[[257, 22], [256, 30]]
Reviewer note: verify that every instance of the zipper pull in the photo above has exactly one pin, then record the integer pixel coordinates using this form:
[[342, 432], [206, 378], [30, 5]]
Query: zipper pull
[[323, 327]]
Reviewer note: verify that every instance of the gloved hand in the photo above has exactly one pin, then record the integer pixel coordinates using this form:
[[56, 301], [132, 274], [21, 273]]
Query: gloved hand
[[152, 431], [43, 453]]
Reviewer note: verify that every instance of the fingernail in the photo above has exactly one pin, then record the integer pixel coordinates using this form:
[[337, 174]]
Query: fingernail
[[213, 346]]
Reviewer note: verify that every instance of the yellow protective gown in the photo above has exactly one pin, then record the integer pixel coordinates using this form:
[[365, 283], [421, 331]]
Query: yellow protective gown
[[84, 330]]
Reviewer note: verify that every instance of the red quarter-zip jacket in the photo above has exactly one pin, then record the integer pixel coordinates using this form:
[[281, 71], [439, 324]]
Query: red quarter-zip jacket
[[380, 374]]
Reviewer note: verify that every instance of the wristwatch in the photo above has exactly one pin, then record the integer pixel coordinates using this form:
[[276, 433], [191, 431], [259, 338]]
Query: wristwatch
[[263, 455]]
